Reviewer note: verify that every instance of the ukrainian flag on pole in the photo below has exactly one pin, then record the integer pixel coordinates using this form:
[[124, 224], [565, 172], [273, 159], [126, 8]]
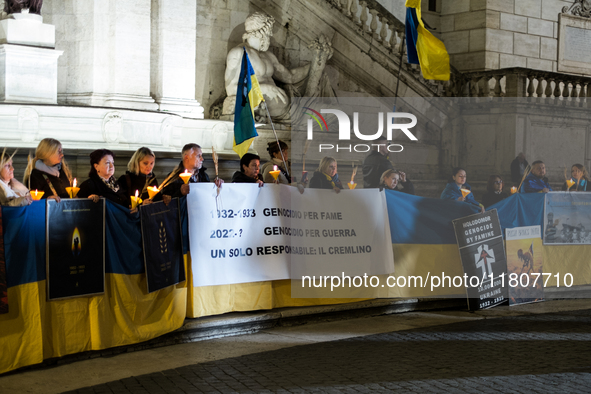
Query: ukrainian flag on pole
[[422, 47], [248, 97]]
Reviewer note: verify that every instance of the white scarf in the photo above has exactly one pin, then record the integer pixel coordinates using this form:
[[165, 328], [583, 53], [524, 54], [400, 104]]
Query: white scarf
[[55, 170]]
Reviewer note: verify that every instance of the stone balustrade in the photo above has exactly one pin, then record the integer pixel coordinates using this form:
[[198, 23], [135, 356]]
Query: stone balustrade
[[520, 82]]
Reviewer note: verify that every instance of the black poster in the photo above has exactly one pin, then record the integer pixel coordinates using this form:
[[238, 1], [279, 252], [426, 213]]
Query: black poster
[[482, 252], [163, 248], [3, 285], [75, 248]]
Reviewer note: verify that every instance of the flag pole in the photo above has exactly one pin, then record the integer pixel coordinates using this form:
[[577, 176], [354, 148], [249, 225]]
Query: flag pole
[[399, 69], [276, 138]]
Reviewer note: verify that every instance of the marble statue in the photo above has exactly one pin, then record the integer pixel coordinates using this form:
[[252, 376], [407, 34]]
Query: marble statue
[[259, 29], [16, 6]]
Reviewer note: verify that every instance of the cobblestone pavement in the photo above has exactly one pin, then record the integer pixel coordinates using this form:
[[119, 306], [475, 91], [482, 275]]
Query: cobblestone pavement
[[542, 353]]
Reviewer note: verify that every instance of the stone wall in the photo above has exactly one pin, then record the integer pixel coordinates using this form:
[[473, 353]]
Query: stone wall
[[495, 34]]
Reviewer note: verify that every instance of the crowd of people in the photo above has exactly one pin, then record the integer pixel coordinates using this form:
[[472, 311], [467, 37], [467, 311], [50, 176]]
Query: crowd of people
[[49, 173]]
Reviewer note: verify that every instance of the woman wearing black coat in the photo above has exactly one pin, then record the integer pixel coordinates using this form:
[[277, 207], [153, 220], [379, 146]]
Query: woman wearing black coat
[[139, 176], [102, 183]]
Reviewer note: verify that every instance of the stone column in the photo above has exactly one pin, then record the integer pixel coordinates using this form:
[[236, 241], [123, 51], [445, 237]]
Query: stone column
[[108, 52], [173, 55], [28, 60]]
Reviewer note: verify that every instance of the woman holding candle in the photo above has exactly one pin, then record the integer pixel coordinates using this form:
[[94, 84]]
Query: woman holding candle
[[390, 179], [102, 183], [139, 176], [249, 170], [12, 192], [48, 171], [457, 189], [494, 191], [279, 157], [579, 180], [325, 176]]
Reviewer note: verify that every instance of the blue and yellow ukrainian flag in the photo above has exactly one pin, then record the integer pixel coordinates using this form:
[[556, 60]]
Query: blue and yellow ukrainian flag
[[248, 97], [422, 47]]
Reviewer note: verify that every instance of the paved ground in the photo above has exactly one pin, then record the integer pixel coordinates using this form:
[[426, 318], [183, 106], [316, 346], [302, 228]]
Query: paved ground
[[535, 352]]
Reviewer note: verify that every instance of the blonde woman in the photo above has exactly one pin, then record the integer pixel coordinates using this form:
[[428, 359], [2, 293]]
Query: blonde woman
[[12, 192], [48, 171], [325, 176], [139, 175]]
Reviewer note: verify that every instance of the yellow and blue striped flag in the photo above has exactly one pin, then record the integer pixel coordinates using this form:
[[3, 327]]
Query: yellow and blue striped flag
[[422, 47], [248, 97]]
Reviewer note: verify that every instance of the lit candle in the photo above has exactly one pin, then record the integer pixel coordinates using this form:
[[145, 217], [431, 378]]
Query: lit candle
[[152, 191], [185, 176], [275, 173], [513, 190], [135, 201], [465, 192], [37, 195], [570, 183], [352, 185], [73, 191]]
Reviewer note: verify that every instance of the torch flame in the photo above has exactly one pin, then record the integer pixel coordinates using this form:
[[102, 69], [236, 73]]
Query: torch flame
[[76, 243]]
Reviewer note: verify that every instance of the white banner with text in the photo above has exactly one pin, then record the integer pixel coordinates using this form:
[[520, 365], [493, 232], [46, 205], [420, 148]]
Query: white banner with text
[[251, 234]]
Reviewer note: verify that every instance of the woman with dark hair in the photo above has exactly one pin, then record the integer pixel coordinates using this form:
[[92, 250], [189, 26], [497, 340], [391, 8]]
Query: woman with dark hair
[[390, 179], [494, 191], [326, 176], [249, 170], [580, 177], [102, 183], [279, 153], [139, 175], [457, 183]]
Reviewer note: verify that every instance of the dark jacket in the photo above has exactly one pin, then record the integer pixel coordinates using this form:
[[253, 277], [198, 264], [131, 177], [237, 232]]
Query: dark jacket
[[240, 177], [407, 187], [516, 175], [374, 166], [38, 182], [533, 184], [130, 182], [322, 181], [173, 188], [491, 198], [583, 186], [95, 185]]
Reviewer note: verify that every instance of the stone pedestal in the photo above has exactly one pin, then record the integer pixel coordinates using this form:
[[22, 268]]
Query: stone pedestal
[[28, 62]]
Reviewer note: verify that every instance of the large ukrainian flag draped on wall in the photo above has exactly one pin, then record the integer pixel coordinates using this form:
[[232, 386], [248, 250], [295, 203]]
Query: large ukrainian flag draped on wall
[[248, 97], [422, 47]]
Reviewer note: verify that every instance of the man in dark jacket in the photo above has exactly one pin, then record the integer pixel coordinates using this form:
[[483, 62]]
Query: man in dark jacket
[[518, 167], [536, 181], [174, 186], [376, 163]]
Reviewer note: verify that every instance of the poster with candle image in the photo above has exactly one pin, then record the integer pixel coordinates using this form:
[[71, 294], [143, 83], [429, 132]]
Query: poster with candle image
[[75, 248]]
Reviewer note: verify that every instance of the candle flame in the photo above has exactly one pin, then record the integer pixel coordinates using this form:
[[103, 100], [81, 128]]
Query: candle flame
[[36, 192], [136, 193], [274, 168], [76, 243], [74, 182]]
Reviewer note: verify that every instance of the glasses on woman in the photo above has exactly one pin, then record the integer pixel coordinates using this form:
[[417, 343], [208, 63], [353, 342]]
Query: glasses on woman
[[498, 182]]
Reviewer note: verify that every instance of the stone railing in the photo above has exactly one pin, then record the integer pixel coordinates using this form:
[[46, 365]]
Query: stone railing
[[520, 82], [378, 24]]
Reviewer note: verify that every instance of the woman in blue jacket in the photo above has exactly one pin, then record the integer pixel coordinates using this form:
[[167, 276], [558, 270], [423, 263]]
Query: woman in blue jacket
[[453, 189]]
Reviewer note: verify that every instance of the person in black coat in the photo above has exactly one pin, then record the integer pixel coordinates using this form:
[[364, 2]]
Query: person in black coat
[[376, 163], [518, 166], [48, 170], [390, 179], [102, 183], [139, 175], [174, 186], [250, 166], [494, 191], [326, 177]]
